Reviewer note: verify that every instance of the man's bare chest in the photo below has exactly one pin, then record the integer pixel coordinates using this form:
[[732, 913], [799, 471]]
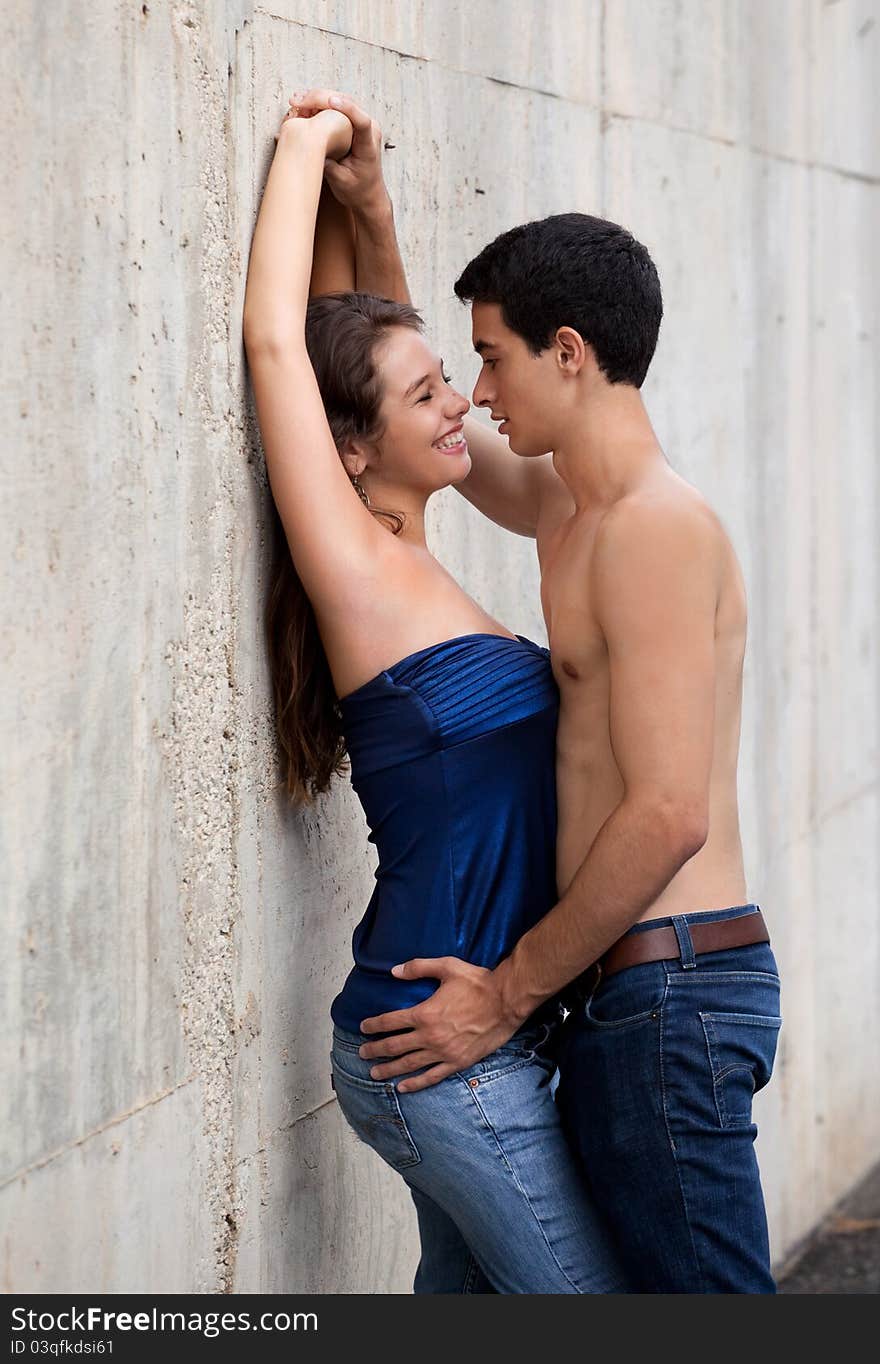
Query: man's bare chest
[[577, 644]]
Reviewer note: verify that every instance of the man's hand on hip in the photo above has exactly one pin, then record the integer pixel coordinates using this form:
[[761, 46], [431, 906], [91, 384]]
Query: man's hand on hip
[[463, 1021]]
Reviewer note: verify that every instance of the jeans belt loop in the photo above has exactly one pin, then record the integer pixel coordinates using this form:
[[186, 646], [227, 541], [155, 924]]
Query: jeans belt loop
[[685, 942]]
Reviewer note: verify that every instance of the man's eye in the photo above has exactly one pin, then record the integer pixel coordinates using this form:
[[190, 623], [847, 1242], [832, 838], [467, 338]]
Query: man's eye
[[493, 363]]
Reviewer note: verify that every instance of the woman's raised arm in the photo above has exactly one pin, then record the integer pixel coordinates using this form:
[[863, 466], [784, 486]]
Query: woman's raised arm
[[309, 483]]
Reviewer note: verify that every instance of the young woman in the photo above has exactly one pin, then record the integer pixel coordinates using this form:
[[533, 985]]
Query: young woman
[[448, 720]]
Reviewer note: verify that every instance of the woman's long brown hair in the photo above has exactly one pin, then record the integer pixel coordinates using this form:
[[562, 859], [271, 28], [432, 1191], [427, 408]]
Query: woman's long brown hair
[[343, 331]]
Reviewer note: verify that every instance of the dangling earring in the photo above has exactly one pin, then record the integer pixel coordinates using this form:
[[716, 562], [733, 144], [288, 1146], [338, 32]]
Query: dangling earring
[[360, 490]]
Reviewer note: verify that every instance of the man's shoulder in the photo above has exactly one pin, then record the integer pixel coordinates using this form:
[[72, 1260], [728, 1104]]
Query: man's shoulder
[[668, 512]]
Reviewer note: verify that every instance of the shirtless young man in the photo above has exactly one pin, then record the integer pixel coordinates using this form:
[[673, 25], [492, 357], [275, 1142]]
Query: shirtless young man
[[675, 1006]]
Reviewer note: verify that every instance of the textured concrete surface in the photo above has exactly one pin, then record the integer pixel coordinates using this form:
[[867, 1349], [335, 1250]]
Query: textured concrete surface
[[175, 932]]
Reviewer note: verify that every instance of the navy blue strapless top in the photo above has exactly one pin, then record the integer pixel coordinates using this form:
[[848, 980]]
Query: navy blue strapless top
[[453, 758]]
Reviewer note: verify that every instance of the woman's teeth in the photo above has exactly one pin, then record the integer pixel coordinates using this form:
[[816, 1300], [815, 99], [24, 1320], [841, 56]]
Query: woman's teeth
[[450, 442]]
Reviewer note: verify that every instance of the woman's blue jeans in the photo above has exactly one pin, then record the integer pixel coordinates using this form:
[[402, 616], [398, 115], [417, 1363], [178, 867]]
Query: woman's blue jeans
[[657, 1071], [501, 1204]]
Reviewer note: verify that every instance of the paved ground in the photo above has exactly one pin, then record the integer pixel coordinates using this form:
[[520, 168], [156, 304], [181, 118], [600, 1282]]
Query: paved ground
[[844, 1255]]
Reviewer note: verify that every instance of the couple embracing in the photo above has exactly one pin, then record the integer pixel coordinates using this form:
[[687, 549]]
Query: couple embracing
[[562, 1001]]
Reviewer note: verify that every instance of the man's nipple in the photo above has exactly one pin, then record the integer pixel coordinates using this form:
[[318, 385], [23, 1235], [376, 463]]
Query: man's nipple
[[569, 669]]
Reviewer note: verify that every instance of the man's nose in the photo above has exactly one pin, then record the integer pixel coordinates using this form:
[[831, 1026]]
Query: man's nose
[[481, 394]]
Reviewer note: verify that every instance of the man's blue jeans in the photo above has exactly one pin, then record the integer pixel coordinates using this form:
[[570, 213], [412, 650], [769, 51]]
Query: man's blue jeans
[[657, 1071], [500, 1201]]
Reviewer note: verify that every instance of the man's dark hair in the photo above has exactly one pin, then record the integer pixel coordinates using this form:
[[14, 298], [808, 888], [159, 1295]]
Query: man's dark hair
[[572, 270]]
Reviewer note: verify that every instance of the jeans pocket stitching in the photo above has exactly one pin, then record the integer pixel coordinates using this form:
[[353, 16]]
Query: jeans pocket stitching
[[701, 975], [610, 1024], [753, 1020], [630, 1020], [341, 1044], [709, 1033], [381, 1090], [720, 1073], [359, 1081], [486, 1077], [401, 1123], [522, 1056]]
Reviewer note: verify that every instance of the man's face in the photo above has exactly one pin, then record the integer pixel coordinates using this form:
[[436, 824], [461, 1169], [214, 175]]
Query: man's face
[[519, 388]]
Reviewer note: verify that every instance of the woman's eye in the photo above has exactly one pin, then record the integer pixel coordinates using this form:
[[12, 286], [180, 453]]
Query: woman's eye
[[426, 397]]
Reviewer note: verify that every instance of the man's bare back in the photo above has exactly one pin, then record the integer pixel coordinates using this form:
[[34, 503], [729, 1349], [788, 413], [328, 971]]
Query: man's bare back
[[589, 784]]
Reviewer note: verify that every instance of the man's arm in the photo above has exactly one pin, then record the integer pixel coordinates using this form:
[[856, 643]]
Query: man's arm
[[654, 592], [509, 490], [333, 252], [379, 264]]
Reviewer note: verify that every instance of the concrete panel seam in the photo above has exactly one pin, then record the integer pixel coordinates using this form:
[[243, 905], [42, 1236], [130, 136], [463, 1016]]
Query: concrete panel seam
[[512, 85], [300, 1117], [609, 115], [96, 1132], [285, 1127], [347, 37], [420, 57]]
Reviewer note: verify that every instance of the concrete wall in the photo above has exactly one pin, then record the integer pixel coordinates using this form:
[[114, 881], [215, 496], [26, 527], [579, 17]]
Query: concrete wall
[[175, 933]]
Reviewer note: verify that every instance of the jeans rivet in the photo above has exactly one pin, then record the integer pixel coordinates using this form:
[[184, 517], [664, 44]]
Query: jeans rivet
[[473, 1083]]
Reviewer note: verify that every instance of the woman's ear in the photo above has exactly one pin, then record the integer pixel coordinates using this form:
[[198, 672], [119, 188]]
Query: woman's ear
[[353, 458]]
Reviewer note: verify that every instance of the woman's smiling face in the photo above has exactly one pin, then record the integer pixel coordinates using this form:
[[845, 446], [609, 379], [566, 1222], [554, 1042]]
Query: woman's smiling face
[[422, 446]]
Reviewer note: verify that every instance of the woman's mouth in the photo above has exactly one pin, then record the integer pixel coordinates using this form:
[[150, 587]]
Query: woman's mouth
[[453, 443]]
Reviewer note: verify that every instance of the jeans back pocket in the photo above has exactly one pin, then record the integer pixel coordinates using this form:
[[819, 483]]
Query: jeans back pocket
[[742, 1049], [372, 1110]]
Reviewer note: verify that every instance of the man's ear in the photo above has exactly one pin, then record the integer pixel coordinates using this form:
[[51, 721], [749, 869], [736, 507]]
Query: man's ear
[[571, 350]]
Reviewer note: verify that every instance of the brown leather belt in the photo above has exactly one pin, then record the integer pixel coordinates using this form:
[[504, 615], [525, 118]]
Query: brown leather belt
[[661, 944]]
